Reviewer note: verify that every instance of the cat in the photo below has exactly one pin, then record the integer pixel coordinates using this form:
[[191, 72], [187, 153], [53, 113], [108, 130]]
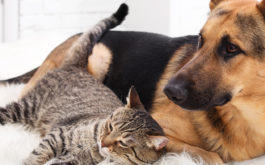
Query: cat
[[80, 120]]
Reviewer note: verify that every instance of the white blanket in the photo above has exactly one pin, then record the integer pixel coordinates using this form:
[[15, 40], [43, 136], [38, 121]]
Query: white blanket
[[15, 142]]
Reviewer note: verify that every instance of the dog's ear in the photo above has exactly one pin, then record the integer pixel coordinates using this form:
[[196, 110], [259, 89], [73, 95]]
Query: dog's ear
[[261, 7], [214, 3]]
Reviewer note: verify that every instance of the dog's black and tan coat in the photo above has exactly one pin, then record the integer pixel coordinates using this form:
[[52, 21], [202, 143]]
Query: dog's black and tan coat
[[219, 76]]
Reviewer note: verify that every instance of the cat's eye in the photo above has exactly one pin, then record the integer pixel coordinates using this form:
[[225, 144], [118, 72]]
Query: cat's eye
[[122, 144], [110, 127]]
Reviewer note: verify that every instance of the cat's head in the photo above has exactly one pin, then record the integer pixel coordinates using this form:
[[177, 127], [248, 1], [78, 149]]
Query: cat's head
[[131, 135]]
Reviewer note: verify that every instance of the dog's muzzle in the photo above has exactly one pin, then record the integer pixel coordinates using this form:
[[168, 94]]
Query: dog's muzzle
[[183, 92]]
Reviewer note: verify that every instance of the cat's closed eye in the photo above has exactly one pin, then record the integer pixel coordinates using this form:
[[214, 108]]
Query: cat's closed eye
[[110, 127], [122, 144]]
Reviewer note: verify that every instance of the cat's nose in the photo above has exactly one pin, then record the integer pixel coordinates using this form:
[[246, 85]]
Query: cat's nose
[[102, 144]]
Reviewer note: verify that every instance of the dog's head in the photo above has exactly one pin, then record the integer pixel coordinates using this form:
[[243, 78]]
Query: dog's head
[[229, 63]]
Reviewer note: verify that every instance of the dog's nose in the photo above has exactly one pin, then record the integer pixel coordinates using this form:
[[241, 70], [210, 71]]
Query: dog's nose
[[176, 93], [177, 90]]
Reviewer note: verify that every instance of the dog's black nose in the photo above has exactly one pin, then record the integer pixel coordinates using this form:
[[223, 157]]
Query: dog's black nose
[[177, 89], [176, 93]]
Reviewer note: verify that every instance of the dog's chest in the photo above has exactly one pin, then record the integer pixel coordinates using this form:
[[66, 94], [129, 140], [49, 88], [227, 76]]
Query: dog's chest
[[227, 132]]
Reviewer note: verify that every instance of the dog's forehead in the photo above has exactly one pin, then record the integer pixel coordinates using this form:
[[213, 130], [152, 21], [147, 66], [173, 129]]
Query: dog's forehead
[[243, 23], [251, 31], [232, 6]]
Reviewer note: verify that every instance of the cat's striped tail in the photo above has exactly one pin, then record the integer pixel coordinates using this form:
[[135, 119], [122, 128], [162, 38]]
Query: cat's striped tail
[[24, 112], [78, 54], [15, 113]]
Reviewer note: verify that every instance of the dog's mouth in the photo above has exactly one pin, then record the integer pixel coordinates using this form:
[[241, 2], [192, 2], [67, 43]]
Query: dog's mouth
[[204, 106], [225, 99], [198, 100]]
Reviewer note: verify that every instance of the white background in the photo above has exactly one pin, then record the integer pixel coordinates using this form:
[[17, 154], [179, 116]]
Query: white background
[[22, 19]]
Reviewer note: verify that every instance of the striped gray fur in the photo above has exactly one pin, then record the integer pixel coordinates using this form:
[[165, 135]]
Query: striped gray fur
[[84, 46], [82, 121]]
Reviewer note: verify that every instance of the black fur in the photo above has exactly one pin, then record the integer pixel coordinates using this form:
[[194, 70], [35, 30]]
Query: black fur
[[140, 59]]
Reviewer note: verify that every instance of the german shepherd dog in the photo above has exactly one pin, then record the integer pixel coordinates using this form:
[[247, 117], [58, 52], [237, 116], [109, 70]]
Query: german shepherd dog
[[207, 92]]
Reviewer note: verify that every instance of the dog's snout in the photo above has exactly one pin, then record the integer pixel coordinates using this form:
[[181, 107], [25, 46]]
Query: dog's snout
[[177, 90]]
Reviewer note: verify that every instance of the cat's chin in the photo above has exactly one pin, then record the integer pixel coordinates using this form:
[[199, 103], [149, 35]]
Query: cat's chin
[[104, 151]]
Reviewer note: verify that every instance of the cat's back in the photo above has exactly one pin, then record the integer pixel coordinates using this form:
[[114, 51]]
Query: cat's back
[[77, 93]]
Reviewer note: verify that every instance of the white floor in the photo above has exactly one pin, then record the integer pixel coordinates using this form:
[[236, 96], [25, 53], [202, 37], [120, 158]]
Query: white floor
[[15, 142]]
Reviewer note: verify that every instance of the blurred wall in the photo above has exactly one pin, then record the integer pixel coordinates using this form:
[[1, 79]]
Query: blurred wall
[[169, 17], [149, 15], [1, 21], [62, 17], [9, 20], [187, 16], [50, 18]]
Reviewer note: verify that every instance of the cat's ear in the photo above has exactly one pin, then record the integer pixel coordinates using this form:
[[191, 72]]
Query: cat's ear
[[133, 99], [159, 142]]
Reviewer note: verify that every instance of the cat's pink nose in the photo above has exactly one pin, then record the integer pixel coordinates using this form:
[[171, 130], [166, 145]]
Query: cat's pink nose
[[102, 144]]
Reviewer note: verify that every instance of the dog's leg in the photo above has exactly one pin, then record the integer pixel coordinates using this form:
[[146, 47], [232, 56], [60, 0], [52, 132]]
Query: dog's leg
[[45, 67], [196, 152], [99, 61]]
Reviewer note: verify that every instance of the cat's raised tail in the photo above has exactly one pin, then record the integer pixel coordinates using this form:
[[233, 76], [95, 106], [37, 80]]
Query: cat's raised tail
[[121, 13], [78, 54], [22, 111]]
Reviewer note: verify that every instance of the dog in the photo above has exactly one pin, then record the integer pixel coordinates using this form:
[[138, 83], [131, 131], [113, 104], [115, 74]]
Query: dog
[[205, 91], [224, 79]]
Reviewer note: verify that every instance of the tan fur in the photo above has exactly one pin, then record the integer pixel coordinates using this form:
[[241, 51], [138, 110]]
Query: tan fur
[[244, 117], [53, 61], [242, 120], [171, 117], [175, 121], [99, 61]]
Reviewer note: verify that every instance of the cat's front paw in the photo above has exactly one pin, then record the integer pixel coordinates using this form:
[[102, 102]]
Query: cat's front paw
[[28, 162], [64, 163], [65, 160], [32, 161]]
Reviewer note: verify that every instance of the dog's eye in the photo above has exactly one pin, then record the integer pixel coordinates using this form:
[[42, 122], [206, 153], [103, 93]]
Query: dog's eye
[[228, 50], [231, 48]]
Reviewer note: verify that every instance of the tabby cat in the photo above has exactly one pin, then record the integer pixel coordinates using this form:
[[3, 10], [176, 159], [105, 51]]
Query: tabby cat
[[82, 121]]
